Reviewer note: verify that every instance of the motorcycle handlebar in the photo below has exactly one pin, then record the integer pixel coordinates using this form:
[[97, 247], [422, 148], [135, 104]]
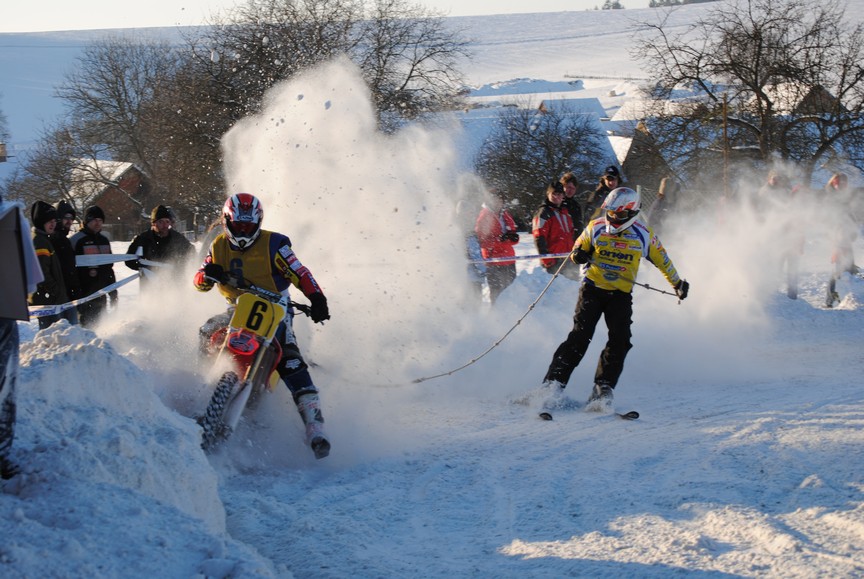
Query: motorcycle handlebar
[[246, 285]]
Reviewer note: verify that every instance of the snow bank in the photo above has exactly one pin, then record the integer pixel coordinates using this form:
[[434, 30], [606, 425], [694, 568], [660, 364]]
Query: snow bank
[[111, 475]]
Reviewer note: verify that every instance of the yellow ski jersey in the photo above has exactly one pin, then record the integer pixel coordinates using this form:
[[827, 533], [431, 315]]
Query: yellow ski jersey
[[615, 257]]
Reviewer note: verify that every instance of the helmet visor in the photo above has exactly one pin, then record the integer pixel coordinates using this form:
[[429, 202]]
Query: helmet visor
[[243, 228], [620, 216]]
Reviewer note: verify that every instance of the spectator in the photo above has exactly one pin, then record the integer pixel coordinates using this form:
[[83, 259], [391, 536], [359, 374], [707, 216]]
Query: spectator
[[838, 200], [496, 232], [611, 249], [161, 243], [90, 241], [66, 255], [553, 229], [21, 277], [610, 179], [571, 203], [52, 290], [778, 198], [664, 204], [476, 268]]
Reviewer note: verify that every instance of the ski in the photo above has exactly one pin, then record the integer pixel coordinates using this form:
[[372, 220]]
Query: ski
[[632, 415]]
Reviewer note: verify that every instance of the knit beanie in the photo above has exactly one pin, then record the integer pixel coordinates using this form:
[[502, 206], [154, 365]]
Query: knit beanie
[[160, 212], [41, 213], [92, 213], [64, 208]]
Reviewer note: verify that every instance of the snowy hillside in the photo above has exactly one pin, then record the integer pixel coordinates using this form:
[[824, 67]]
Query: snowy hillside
[[745, 461]]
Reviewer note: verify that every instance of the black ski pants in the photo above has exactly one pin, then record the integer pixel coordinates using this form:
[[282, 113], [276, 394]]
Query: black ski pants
[[617, 309]]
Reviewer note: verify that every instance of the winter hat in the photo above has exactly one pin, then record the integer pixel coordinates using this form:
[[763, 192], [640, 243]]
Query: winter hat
[[64, 208], [41, 213], [92, 213], [612, 171], [160, 212], [555, 186]]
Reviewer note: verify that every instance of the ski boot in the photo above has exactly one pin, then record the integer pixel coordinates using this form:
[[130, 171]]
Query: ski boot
[[309, 406], [600, 399], [554, 397]]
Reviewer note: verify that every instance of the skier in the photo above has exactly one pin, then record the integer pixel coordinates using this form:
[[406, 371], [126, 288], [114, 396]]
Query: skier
[[609, 249], [265, 258]]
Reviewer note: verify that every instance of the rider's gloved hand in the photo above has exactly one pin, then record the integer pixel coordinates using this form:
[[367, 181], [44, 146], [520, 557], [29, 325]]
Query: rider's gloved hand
[[682, 288], [215, 271], [320, 311]]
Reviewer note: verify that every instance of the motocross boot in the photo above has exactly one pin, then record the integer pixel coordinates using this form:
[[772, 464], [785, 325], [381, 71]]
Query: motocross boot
[[309, 406]]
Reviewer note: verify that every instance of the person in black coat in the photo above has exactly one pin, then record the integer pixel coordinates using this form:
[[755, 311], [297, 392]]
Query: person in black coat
[[90, 241], [611, 179], [66, 255], [51, 291], [571, 203], [161, 244]]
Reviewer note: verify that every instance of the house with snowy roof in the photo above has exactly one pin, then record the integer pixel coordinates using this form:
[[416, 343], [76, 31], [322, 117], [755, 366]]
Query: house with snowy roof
[[121, 189]]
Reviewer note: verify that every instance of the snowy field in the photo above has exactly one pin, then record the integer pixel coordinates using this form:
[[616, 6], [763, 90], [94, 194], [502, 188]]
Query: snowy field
[[746, 461]]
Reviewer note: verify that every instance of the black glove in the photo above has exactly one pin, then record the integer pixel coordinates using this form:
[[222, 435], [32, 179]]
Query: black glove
[[319, 311], [582, 256], [510, 236], [681, 289], [215, 271]]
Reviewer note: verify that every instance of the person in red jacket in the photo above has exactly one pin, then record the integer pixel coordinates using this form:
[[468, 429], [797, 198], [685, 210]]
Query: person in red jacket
[[244, 251], [553, 231], [496, 232]]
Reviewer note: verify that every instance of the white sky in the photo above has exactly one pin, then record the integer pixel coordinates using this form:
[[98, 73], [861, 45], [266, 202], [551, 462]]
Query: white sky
[[52, 15]]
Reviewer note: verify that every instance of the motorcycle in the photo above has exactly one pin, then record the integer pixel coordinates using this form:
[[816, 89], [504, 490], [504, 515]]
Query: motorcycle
[[248, 343]]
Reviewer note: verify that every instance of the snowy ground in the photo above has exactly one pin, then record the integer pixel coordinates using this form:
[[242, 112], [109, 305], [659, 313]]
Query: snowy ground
[[746, 460]]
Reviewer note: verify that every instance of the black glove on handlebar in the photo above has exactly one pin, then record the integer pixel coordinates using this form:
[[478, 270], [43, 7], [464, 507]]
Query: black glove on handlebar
[[215, 271], [320, 311], [510, 236]]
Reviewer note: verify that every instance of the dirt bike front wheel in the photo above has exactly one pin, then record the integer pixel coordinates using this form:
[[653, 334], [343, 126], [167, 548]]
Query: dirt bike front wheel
[[214, 429]]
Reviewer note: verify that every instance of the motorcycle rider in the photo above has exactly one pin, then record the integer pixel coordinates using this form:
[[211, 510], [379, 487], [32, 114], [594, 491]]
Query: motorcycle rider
[[245, 251]]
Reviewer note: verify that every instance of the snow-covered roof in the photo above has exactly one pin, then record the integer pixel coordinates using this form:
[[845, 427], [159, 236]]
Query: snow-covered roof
[[92, 176]]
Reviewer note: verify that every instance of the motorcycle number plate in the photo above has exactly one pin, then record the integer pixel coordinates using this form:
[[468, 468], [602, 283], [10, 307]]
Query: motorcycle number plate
[[257, 315]]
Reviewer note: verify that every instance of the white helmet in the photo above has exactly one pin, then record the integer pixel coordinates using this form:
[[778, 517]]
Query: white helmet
[[242, 215], [621, 208]]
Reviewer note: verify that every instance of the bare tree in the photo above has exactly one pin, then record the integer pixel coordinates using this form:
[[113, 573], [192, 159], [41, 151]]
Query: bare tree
[[527, 148], [409, 59], [406, 53], [785, 76], [48, 172], [253, 46], [140, 101], [109, 90]]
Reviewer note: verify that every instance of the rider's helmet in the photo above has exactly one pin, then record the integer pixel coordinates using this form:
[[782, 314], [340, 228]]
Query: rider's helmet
[[621, 208], [243, 215]]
